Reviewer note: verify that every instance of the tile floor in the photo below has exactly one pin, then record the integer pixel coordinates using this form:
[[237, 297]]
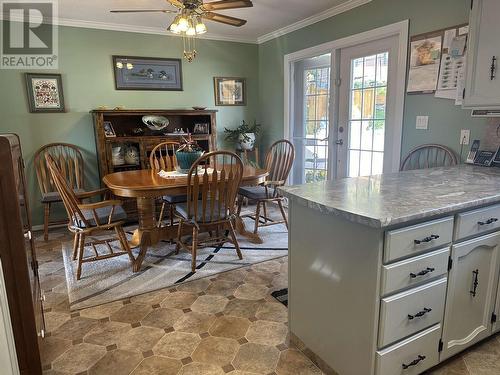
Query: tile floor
[[225, 324]]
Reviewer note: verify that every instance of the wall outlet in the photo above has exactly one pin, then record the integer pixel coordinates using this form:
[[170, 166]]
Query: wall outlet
[[422, 122], [464, 136]]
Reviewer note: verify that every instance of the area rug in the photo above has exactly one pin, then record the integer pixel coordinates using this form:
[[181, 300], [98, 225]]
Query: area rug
[[281, 296], [112, 279]]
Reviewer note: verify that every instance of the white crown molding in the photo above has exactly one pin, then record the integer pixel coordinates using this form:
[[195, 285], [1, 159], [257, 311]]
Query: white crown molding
[[133, 29], [341, 8], [344, 7]]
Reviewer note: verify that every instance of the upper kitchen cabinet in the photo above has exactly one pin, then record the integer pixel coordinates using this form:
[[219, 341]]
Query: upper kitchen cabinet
[[482, 89]]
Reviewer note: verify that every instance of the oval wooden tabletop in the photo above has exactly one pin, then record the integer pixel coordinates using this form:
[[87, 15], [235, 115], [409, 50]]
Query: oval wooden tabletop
[[146, 183]]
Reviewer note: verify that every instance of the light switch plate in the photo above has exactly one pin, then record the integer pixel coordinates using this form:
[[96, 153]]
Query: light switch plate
[[422, 122], [464, 136]]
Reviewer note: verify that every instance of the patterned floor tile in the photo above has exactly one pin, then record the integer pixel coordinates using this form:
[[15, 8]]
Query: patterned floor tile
[[177, 345]]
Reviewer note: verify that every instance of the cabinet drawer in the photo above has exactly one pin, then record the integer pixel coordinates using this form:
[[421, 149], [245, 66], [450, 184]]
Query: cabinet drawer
[[403, 314], [414, 271], [475, 222], [409, 241], [412, 356]]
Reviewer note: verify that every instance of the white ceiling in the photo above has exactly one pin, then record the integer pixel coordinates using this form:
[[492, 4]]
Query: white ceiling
[[267, 18]]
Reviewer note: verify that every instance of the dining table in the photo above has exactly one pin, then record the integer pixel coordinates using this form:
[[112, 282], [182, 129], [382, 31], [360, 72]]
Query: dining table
[[146, 186]]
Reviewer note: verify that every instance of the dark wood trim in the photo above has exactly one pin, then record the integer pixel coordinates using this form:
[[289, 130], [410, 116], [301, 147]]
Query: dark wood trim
[[23, 292]]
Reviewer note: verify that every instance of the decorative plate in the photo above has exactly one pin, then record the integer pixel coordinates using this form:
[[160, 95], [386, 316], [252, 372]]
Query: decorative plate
[[199, 108], [155, 123]]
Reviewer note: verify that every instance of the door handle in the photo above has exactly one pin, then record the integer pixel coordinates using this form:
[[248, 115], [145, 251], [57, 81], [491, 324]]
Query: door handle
[[475, 283], [339, 142]]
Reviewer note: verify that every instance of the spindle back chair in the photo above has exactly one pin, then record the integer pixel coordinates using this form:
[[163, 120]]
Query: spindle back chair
[[429, 156]]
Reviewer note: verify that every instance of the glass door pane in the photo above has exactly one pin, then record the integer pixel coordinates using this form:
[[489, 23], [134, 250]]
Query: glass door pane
[[367, 115], [312, 120]]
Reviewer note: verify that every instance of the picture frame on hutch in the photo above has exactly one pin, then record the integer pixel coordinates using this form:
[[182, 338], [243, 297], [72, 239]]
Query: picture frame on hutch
[[230, 91], [147, 73], [45, 92]]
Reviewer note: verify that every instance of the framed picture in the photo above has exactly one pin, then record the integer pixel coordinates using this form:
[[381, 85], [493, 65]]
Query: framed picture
[[45, 92], [109, 132], [230, 91], [147, 73], [201, 128]]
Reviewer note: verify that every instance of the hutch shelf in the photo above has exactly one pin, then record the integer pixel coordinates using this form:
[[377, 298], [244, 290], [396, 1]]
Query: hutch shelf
[[130, 135]]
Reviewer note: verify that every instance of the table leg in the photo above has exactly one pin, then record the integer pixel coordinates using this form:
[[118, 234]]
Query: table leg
[[147, 233]]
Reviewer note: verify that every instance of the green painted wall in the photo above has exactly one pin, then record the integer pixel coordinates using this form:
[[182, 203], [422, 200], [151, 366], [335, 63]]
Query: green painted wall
[[445, 120], [86, 68]]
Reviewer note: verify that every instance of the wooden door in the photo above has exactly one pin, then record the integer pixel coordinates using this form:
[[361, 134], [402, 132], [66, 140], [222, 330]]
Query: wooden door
[[472, 287], [482, 89]]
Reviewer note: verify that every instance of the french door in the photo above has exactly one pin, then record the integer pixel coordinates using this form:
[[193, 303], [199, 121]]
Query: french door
[[311, 129], [343, 105]]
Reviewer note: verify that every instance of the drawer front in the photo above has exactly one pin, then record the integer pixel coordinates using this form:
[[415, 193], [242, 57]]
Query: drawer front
[[403, 314], [412, 356], [409, 241], [476, 222], [414, 271]]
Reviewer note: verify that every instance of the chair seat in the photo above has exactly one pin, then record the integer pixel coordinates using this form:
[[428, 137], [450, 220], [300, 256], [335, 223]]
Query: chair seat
[[175, 199], [182, 210], [102, 215], [255, 192], [54, 196]]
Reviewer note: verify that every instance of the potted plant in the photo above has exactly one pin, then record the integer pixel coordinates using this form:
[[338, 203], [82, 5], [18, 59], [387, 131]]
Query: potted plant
[[244, 135], [187, 153]]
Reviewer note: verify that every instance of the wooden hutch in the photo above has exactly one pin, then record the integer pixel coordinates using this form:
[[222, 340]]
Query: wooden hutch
[[130, 132]]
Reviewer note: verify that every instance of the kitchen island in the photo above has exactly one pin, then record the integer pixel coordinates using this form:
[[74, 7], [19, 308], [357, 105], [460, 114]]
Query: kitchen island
[[395, 273]]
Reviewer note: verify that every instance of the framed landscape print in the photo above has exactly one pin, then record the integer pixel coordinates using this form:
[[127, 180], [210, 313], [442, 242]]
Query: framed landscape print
[[230, 91], [147, 73], [45, 92]]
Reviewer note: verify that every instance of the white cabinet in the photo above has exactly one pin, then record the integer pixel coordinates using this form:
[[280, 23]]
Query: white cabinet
[[472, 289], [482, 88]]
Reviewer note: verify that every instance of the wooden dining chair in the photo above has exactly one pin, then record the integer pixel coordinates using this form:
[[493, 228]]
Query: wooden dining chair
[[279, 161], [163, 157], [85, 220], [429, 156], [213, 183], [70, 161]]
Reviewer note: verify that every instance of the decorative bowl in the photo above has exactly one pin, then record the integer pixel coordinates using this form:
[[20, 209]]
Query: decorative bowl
[[199, 108], [155, 123]]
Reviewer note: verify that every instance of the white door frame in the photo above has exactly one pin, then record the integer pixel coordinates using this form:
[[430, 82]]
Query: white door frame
[[399, 29]]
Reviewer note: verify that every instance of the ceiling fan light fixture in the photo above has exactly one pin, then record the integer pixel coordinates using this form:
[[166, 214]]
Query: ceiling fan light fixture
[[201, 28], [183, 24]]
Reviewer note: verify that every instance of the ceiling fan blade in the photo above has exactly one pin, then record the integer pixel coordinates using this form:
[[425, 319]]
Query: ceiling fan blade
[[224, 19], [176, 3], [143, 11], [227, 4]]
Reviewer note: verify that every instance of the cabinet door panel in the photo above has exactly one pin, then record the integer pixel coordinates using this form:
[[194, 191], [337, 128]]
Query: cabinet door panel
[[471, 293], [481, 90]]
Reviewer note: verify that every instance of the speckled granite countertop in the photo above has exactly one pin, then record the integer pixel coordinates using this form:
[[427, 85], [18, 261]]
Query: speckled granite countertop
[[397, 198]]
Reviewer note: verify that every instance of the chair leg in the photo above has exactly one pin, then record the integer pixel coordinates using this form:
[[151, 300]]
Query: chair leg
[[124, 242], [179, 237], [160, 217], [257, 217], [240, 203], [81, 249], [172, 209], [46, 217], [76, 242], [280, 204], [194, 247], [264, 206], [232, 233]]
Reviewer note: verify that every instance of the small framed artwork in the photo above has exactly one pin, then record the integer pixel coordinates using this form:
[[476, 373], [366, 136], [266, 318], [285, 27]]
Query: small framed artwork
[[230, 91], [200, 128], [45, 92], [147, 73], [109, 132]]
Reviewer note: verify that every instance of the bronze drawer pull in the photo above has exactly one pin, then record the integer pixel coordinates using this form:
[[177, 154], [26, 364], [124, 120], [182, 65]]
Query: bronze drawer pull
[[475, 283], [419, 359], [422, 273], [419, 314], [427, 239], [488, 222]]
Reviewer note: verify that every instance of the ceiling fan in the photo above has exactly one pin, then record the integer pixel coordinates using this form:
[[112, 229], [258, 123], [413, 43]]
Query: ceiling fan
[[190, 16], [201, 9]]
